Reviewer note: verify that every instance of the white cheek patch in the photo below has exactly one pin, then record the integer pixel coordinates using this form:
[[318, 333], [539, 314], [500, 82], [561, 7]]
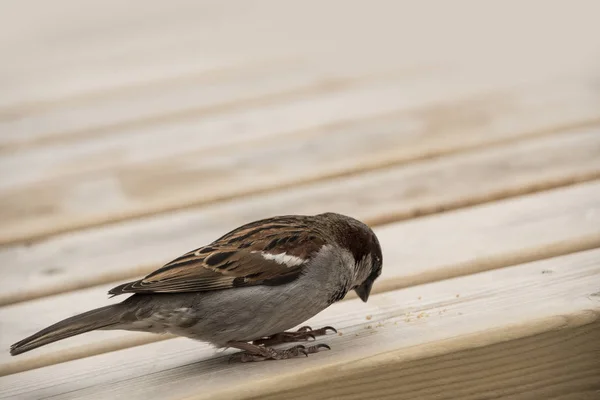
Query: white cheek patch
[[283, 258]]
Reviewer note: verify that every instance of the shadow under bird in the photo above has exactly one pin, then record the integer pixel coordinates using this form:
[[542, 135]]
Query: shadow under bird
[[244, 290]]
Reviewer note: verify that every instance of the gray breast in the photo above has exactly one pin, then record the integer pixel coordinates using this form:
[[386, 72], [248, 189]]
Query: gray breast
[[244, 314]]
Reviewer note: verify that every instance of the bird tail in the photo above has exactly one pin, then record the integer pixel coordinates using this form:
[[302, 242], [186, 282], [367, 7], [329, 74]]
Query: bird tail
[[88, 321]]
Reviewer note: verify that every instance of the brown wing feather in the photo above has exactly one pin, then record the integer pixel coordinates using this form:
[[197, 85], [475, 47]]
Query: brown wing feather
[[236, 259]]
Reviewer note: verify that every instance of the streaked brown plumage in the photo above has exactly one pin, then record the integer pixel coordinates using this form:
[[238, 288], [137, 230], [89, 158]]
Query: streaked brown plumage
[[235, 260], [249, 285]]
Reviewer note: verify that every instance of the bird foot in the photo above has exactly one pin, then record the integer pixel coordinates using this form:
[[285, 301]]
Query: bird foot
[[305, 333], [269, 353], [253, 352]]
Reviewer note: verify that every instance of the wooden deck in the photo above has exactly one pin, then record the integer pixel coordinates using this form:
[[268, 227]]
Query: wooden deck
[[467, 134]]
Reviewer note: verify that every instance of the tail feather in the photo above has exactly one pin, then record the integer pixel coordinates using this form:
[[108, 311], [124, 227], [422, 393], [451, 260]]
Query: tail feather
[[86, 322]]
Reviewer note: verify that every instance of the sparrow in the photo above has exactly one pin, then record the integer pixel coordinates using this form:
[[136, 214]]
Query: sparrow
[[245, 290]]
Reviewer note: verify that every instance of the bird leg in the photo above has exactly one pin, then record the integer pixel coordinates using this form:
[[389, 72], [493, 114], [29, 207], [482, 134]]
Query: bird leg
[[301, 335], [253, 352]]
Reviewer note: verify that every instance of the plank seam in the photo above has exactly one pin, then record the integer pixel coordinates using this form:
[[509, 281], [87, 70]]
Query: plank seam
[[395, 362], [220, 72], [330, 85], [433, 154], [539, 253]]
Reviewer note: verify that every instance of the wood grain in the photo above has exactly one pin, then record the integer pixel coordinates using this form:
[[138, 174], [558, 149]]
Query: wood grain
[[522, 331], [134, 108], [88, 199], [104, 46], [199, 101], [540, 365], [123, 251], [185, 132], [111, 253], [344, 100], [418, 251]]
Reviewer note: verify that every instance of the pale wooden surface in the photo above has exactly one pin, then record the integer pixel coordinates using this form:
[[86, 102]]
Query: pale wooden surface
[[75, 51], [149, 185], [99, 255], [528, 228], [466, 133], [536, 315]]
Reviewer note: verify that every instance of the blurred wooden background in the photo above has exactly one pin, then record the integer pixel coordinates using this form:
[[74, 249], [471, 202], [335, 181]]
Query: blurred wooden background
[[466, 132]]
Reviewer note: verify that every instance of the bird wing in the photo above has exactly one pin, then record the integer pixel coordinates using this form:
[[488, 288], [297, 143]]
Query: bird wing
[[266, 252]]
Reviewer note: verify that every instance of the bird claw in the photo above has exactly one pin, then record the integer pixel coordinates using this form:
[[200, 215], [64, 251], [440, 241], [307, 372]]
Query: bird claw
[[305, 333], [304, 328], [302, 350], [268, 353], [316, 347], [323, 331]]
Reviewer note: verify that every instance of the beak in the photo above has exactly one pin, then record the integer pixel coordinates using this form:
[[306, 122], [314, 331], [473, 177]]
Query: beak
[[364, 290]]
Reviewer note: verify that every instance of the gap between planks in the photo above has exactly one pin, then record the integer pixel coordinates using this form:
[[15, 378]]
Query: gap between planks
[[521, 323], [133, 58], [211, 74], [294, 118], [128, 194], [509, 362], [468, 241], [384, 196], [308, 84]]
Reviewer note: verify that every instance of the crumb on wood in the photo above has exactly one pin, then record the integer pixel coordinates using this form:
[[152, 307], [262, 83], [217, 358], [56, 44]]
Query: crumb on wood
[[419, 297], [368, 317], [369, 327], [340, 334], [458, 295]]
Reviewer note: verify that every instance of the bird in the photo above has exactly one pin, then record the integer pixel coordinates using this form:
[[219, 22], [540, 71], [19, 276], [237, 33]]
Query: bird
[[245, 290]]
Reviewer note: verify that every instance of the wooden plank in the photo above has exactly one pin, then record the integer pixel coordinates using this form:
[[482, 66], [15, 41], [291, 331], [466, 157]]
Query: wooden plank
[[457, 243], [191, 96], [74, 202], [123, 251], [506, 332], [335, 104], [148, 45], [185, 133], [105, 45]]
